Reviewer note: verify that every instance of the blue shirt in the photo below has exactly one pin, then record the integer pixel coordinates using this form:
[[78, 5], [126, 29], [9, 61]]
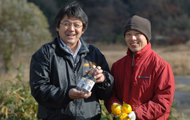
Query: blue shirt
[[69, 50]]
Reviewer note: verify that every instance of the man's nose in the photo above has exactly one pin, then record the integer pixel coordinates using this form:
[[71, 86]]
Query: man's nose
[[71, 27], [133, 37]]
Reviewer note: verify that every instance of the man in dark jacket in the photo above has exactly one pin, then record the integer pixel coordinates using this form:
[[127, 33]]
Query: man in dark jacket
[[142, 78], [57, 67]]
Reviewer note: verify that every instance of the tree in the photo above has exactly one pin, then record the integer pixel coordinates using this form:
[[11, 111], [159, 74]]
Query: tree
[[23, 28], [106, 19], [49, 8]]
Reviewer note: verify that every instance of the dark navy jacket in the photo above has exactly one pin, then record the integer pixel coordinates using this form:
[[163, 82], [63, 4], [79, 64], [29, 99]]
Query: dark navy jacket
[[53, 72]]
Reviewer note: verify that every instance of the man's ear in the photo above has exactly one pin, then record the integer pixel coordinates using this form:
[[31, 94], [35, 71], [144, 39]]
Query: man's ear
[[57, 29]]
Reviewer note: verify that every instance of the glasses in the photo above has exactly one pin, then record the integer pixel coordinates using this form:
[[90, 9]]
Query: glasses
[[68, 24]]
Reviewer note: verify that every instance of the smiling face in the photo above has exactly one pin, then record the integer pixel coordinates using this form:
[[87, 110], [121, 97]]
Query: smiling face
[[70, 30], [135, 40]]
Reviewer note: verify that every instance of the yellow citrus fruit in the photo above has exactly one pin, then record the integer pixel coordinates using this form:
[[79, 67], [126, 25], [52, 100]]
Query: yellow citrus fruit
[[126, 108], [116, 109], [123, 116]]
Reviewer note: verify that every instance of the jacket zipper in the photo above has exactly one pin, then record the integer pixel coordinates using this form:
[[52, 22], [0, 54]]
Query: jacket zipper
[[130, 87]]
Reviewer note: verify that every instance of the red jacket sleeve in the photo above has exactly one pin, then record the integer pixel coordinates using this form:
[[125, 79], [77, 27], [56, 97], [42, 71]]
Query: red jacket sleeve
[[160, 104]]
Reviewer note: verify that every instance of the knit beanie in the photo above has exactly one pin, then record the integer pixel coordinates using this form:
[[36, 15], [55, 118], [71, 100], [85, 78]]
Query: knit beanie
[[140, 24]]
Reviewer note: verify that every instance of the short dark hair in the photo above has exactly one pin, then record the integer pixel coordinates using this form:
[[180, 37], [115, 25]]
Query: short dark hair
[[72, 10]]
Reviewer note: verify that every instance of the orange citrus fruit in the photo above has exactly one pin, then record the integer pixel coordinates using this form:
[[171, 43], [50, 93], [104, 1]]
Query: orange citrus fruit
[[126, 108], [123, 116], [116, 109]]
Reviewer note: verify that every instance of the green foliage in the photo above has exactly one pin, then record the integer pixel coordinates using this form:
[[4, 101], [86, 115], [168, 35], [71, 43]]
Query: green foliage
[[105, 114], [23, 27], [49, 9], [16, 101], [172, 117], [7, 58], [173, 107]]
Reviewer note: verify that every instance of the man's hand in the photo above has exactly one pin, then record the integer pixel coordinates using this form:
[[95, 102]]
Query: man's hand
[[75, 94], [98, 74], [132, 115]]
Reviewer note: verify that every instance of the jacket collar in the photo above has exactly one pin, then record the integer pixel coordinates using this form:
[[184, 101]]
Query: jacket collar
[[83, 48]]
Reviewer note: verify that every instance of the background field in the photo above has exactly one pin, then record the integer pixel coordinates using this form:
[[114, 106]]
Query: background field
[[177, 56]]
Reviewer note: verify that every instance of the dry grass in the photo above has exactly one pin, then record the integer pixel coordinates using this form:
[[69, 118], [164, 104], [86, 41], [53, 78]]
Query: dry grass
[[182, 87], [23, 58], [112, 52], [177, 56]]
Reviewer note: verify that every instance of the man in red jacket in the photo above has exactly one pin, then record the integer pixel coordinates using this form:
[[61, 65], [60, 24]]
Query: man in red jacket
[[142, 78]]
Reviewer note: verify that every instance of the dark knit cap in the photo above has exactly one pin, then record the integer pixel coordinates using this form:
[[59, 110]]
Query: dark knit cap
[[140, 24]]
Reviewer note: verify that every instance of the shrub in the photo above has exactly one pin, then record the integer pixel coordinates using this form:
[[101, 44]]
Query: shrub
[[23, 28], [16, 102]]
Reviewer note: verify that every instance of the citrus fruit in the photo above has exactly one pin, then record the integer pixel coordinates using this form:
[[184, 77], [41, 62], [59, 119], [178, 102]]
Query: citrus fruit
[[123, 116], [116, 109], [126, 108]]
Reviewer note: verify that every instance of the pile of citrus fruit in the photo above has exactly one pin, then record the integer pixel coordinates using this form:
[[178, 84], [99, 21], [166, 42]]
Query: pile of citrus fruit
[[121, 111]]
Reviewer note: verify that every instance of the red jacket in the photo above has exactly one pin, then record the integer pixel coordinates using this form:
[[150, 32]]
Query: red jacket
[[144, 81]]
